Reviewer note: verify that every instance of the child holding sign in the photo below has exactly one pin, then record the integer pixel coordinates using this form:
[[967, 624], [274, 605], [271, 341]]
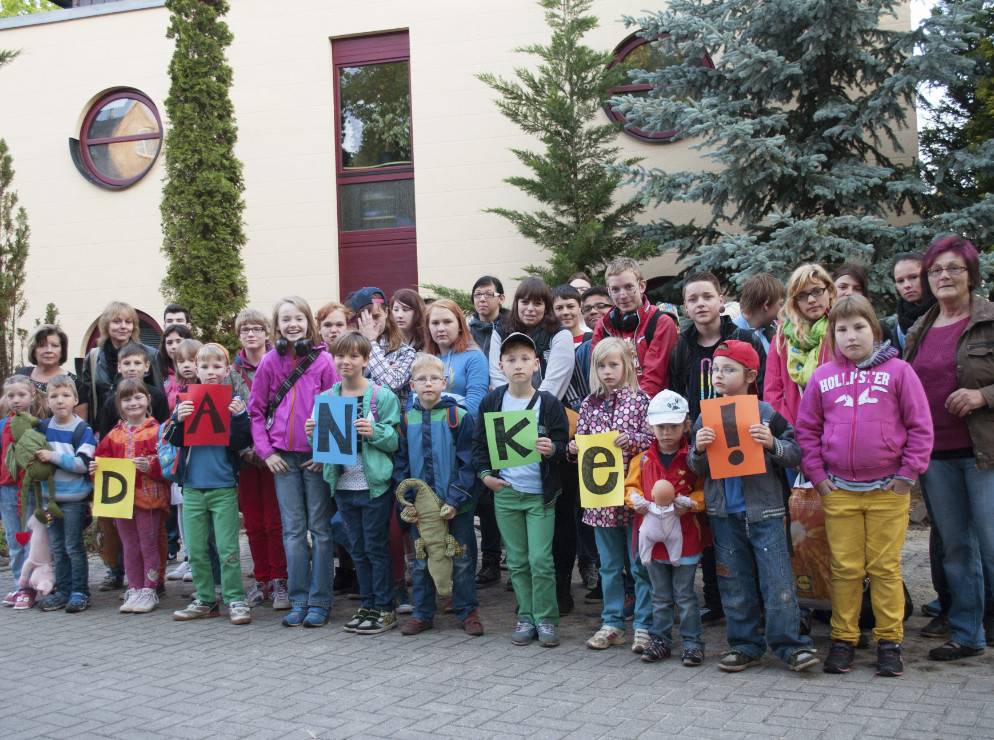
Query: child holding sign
[[617, 405], [136, 438], [866, 434], [362, 489], [524, 493], [209, 476], [746, 514]]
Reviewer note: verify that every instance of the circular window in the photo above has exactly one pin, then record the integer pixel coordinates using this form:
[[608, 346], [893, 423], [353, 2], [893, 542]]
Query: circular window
[[639, 53], [120, 139]]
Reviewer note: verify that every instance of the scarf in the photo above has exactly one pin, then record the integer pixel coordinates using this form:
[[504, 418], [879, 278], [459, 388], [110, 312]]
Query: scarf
[[802, 359], [882, 351], [909, 313]]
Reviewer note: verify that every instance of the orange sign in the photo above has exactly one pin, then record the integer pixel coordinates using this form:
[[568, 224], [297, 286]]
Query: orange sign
[[733, 452]]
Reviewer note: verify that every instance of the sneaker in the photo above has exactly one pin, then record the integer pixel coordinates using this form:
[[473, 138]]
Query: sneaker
[[605, 637], [735, 660], [640, 641], [655, 652], [130, 596], [180, 572], [402, 599], [801, 660], [489, 573], [589, 576], [345, 582], [596, 596], [78, 602], [8, 599], [932, 609], [296, 617], [256, 595], [472, 623], [711, 616], [629, 608], [841, 656], [145, 602], [359, 617], [111, 583], [415, 626], [53, 602], [548, 635], [377, 622], [947, 651], [197, 610], [889, 661], [938, 627], [317, 616], [692, 657], [24, 599], [239, 612], [524, 633], [279, 595]]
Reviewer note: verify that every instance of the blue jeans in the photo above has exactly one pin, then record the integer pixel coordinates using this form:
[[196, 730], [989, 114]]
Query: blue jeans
[[367, 521], [741, 549], [962, 500], [614, 545], [675, 585], [463, 583], [12, 525], [72, 570], [305, 506]]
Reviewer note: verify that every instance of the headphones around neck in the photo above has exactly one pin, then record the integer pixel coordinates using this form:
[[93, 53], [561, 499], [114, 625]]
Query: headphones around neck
[[623, 321], [301, 348]]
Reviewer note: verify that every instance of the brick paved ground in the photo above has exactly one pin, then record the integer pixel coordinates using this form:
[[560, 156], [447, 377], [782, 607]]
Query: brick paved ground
[[101, 674]]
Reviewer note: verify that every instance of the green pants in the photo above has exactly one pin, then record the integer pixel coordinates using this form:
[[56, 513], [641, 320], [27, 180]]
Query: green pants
[[527, 525], [200, 506]]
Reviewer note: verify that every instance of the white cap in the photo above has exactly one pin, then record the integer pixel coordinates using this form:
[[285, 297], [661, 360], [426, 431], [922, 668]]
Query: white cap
[[668, 408]]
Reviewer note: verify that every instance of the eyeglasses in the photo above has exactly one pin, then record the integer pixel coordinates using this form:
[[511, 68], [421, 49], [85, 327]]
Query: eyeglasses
[[813, 293], [489, 294], [596, 306], [726, 370], [251, 330], [953, 270], [427, 381]]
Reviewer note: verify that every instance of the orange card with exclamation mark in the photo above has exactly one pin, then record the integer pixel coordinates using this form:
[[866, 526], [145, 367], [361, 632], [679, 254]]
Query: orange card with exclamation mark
[[733, 452]]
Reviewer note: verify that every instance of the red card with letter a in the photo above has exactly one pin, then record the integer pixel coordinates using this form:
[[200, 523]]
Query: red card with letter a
[[210, 422]]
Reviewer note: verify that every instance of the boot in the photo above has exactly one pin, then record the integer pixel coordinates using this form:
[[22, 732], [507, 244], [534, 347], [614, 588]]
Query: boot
[[489, 574], [564, 593]]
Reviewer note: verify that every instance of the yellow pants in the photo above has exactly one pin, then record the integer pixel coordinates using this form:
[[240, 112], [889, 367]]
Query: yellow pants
[[865, 534]]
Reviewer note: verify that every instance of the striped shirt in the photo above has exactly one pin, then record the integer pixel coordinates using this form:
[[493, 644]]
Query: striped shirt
[[72, 477]]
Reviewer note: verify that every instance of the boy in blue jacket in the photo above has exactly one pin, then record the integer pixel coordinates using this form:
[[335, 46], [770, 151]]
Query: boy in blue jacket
[[209, 474], [436, 446]]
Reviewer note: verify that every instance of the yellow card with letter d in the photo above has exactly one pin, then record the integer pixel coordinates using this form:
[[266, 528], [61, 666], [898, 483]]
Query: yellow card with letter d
[[114, 488]]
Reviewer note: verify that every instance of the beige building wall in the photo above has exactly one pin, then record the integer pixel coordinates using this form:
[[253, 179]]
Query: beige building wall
[[90, 245]]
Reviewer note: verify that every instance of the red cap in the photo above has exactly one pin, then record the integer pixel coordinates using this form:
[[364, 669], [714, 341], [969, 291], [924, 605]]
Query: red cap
[[741, 352]]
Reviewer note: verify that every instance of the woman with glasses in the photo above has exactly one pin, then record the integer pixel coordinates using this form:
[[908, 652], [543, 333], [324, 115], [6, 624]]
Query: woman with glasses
[[951, 348], [799, 346]]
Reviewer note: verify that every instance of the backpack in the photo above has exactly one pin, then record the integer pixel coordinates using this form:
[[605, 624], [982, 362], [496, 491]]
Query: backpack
[[169, 458], [77, 433]]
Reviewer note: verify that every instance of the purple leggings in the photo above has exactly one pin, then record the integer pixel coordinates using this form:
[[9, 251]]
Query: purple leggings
[[139, 537]]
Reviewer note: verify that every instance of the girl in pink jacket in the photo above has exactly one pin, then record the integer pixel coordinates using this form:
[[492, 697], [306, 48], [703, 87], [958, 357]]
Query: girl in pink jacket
[[865, 433]]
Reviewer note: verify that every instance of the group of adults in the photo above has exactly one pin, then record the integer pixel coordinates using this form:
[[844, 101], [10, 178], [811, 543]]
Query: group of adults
[[943, 328]]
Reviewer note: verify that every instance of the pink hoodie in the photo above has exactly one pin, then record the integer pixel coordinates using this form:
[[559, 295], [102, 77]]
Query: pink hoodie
[[862, 425]]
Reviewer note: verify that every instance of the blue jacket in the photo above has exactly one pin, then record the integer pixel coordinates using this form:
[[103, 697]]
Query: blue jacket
[[437, 447]]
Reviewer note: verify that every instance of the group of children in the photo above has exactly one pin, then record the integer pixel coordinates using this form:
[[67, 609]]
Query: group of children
[[863, 436]]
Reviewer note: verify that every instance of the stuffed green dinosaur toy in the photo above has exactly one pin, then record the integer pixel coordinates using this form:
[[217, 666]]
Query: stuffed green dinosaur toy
[[434, 541], [21, 456]]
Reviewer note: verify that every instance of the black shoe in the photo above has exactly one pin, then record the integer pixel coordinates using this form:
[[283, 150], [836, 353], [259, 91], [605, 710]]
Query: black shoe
[[889, 661], [489, 574], [656, 652], [805, 626], [841, 656], [938, 627], [564, 595], [160, 589], [345, 582], [953, 651], [864, 641], [594, 595], [711, 616], [111, 583]]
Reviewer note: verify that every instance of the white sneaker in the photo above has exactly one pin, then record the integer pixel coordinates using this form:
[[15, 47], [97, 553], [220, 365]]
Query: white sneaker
[[239, 612], [181, 572], [281, 599], [641, 641], [131, 596], [605, 637], [257, 595], [146, 601]]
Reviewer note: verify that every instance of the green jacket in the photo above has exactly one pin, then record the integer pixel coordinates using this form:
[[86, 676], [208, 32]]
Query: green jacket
[[377, 451]]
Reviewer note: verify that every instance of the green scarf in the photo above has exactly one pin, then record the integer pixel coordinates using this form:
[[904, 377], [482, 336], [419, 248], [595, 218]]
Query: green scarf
[[802, 358]]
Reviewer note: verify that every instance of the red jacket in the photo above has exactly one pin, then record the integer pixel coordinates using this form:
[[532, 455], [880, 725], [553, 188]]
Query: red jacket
[[653, 357], [151, 489], [779, 390], [643, 473]]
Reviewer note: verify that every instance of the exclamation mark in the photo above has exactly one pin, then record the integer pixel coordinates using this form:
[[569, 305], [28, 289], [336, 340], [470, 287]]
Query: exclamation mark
[[731, 433]]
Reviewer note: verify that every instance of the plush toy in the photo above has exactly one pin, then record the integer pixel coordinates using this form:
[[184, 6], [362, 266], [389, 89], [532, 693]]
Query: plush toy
[[434, 541], [21, 456], [38, 570]]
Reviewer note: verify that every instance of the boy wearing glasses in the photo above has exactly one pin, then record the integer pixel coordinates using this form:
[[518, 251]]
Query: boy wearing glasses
[[650, 334], [488, 299], [436, 446]]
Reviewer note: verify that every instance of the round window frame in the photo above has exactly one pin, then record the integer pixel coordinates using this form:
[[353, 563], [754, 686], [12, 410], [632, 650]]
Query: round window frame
[[92, 171], [621, 51]]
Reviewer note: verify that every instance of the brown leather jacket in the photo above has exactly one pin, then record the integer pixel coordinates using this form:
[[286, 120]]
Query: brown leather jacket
[[974, 368]]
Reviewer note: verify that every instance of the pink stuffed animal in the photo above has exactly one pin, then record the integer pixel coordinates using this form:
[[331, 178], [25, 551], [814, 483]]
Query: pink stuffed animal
[[38, 570]]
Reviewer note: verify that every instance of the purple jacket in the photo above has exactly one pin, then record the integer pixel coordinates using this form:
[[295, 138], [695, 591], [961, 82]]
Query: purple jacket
[[287, 432], [862, 425]]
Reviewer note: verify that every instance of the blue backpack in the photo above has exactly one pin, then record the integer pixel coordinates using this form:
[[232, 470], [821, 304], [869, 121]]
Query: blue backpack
[[169, 458]]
